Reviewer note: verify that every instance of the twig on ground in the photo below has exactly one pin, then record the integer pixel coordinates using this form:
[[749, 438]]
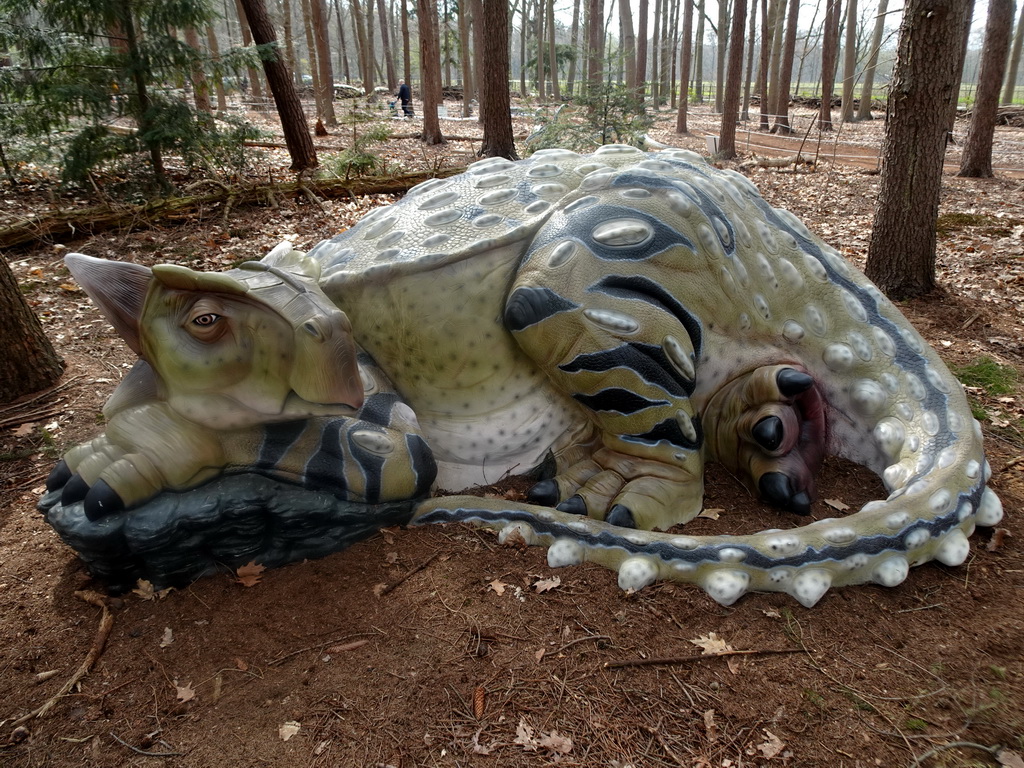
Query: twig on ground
[[102, 633], [656, 733], [595, 638], [142, 751], [656, 661], [413, 572], [953, 745]]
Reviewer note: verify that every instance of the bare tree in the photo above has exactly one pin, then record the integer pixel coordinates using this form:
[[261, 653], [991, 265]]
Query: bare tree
[[318, 15], [751, 36], [628, 45], [867, 88], [218, 81], [786, 71], [1014, 61], [556, 92], [289, 108], [430, 70], [574, 42], [385, 40], [901, 253], [468, 89], [976, 160], [765, 61], [723, 48], [200, 86], [253, 76], [641, 48], [829, 44], [290, 59], [406, 44], [731, 100], [363, 44], [30, 362], [685, 55], [342, 44], [495, 100], [849, 60], [595, 43], [698, 56]]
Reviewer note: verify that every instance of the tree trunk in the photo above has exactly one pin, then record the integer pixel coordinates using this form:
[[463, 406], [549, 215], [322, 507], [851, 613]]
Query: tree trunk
[[312, 54], [339, 21], [762, 67], [849, 60], [786, 70], [866, 91], [595, 32], [656, 54], [976, 160], [30, 362], [574, 41], [723, 50], [667, 52], [775, 67], [698, 56], [685, 55], [385, 40], [406, 45], [628, 45], [141, 97], [468, 91], [430, 70], [318, 14], [751, 36], [289, 107], [218, 81], [829, 44], [254, 76], [524, 26], [556, 91], [926, 78], [1014, 62], [538, 34], [495, 99], [200, 86], [365, 54], [641, 48], [731, 99], [289, 42]]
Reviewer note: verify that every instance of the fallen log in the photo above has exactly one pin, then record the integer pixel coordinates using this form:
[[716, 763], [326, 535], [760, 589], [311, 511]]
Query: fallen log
[[63, 226]]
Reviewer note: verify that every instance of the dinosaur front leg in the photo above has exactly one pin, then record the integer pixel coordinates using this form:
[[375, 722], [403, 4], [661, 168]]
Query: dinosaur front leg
[[620, 348]]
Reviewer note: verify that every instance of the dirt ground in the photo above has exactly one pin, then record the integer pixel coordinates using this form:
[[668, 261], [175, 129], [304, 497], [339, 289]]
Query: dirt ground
[[438, 647]]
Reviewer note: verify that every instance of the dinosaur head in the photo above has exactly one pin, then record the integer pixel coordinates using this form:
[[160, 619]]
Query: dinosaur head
[[256, 344]]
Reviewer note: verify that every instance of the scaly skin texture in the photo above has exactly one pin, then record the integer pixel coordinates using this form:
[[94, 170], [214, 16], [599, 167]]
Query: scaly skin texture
[[621, 318]]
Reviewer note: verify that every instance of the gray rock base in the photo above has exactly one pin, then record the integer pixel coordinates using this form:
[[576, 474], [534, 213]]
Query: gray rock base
[[178, 537]]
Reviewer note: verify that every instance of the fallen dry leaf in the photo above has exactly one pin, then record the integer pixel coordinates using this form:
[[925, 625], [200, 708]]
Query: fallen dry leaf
[[478, 748], [147, 591], [539, 655], [347, 646], [288, 730], [168, 637], [1008, 759], [498, 586], [734, 663], [249, 574], [544, 585], [837, 505], [772, 745], [25, 429], [711, 644], [710, 729], [710, 514], [378, 589], [555, 742], [524, 736], [185, 692], [999, 536]]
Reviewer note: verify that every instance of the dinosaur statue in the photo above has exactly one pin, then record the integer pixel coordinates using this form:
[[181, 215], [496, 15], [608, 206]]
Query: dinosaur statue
[[609, 322]]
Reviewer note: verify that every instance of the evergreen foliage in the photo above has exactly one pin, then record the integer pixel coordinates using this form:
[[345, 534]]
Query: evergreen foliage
[[609, 114], [99, 85]]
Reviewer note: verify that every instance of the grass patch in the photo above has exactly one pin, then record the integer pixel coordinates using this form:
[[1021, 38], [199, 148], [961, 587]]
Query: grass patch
[[951, 223], [989, 375]]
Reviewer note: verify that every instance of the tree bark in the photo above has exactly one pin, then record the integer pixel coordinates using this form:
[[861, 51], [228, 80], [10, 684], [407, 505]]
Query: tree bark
[[406, 45], [641, 48], [30, 362], [385, 41], [698, 56], [1014, 62], [685, 55], [731, 98], [829, 44], [318, 12], [468, 90], [775, 66], [365, 54], [312, 54], [786, 70], [751, 36], [200, 85], [595, 34], [926, 78], [556, 91], [218, 80], [574, 41], [339, 20], [976, 160], [762, 68], [254, 76], [495, 99], [289, 107], [849, 60], [430, 70], [867, 88], [628, 44], [656, 55], [723, 51], [289, 42]]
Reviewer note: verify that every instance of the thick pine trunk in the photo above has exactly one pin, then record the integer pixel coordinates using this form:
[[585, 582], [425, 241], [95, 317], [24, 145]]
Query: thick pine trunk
[[977, 156], [731, 97], [30, 362], [926, 80], [289, 107], [430, 70]]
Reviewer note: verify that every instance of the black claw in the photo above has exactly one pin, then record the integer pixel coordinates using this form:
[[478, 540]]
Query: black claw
[[59, 476], [101, 501], [544, 493], [801, 504], [74, 490], [574, 505], [769, 432], [621, 516], [792, 382]]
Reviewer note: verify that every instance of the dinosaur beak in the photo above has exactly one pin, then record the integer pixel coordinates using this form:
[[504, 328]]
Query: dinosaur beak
[[325, 369]]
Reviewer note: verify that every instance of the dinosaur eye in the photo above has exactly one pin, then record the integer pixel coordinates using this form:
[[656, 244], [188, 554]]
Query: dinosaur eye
[[206, 320]]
